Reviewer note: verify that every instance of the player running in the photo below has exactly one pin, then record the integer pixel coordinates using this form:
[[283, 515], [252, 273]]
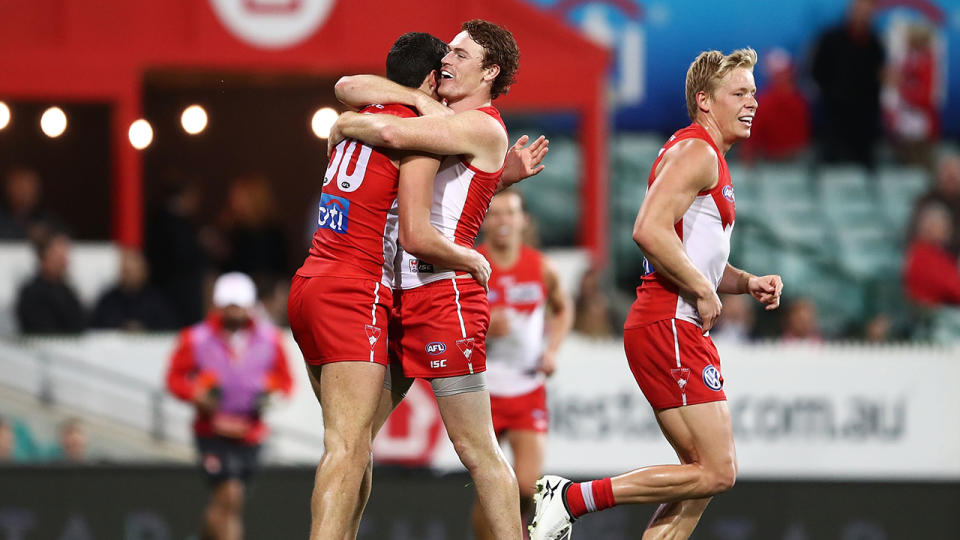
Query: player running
[[444, 317], [683, 228], [525, 299]]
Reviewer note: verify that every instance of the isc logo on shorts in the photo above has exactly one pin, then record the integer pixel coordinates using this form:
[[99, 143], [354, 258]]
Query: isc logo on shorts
[[435, 364], [435, 348], [334, 213], [712, 378]]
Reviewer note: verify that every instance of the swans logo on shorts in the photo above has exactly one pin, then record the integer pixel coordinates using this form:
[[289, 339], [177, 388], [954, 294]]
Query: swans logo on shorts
[[727, 193], [373, 334], [435, 348], [712, 378], [681, 375], [466, 347], [334, 213]]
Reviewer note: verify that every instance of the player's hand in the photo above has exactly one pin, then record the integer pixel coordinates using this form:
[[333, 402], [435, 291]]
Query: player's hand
[[766, 289], [427, 106], [524, 161], [207, 401], [480, 270], [335, 137], [548, 363], [709, 307], [499, 323]]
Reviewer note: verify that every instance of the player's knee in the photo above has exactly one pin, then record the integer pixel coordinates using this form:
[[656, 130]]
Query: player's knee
[[352, 449]]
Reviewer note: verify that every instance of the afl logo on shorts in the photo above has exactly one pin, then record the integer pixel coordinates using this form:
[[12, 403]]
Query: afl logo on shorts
[[727, 193], [436, 348], [712, 378]]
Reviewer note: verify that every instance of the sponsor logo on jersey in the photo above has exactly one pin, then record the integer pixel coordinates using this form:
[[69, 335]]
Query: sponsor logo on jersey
[[727, 193], [421, 267], [524, 293], [436, 364], [334, 213], [712, 378], [647, 267], [436, 347]]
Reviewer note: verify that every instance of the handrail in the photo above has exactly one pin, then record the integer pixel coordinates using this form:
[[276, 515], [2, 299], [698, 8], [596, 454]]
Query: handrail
[[47, 359]]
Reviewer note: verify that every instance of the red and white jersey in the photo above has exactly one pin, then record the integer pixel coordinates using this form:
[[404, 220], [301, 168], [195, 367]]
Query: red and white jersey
[[356, 233], [704, 229], [461, 197], [513, 359]]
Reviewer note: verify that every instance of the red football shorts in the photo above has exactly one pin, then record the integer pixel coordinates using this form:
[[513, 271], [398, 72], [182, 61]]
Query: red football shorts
[[442, 329], [526, 412], [338, 319], [674, 363]]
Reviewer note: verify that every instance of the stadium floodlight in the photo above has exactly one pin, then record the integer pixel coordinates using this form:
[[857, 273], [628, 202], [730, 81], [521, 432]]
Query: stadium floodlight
[[141, 134], [53, 122], [193, 119], [4, 115], [322, 121]]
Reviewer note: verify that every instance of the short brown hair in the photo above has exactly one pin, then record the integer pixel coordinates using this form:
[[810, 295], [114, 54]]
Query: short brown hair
[[707, 70], [499, 48]]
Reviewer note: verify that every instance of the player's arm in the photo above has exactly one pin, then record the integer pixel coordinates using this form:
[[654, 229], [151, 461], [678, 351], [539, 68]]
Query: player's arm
[[560, 321], [685, 170], [358, 91], [765, 289], [417, 236], [468, 133]]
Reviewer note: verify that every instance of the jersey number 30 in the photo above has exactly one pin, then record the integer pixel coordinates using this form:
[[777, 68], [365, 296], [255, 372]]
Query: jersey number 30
[[341, 161]]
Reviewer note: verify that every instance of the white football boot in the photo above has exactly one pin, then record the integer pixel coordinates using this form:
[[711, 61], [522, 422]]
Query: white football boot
[[552, 519]]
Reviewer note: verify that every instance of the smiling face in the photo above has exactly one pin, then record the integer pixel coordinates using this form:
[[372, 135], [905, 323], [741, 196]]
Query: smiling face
[[732, 105], [462, 73]]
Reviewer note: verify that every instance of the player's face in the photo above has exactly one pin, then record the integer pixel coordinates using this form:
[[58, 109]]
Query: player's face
[[504, 223], [735, 104], [461, 72]]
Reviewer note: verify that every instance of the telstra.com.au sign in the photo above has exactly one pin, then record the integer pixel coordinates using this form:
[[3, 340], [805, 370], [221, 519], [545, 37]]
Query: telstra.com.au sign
[[272, 24]]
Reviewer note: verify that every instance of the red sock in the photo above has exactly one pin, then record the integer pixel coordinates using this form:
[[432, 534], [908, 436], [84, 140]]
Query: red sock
[[589, 496]]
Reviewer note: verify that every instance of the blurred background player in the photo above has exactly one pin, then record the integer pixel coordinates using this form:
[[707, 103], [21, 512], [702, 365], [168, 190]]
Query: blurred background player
[[684, 228], [525, 298], [228, 366]]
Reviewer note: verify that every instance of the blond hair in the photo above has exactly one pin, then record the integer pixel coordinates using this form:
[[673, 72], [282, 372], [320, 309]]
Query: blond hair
[[706, 71]]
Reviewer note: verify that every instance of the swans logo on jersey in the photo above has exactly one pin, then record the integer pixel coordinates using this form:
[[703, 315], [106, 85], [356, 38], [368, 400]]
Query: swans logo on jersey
[[436, 348], [727, 193], [272, 24], [334, 213], [712, 378]]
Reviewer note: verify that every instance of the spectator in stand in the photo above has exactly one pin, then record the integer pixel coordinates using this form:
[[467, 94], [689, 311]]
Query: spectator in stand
[[931, 276], [73, 442], [946, 192], [592, 308], [177, 259], [735, 324], [132, 304], [8, 441], [47, 304], [848, 69], [802, 323], [253, 238], [228, 366], [21, 215], [911, 99], [782, 130]]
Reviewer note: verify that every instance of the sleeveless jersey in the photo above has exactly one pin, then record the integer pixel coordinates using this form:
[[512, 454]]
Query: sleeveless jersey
[[461, 197], [513, 359], [356, 234], [704, 229]]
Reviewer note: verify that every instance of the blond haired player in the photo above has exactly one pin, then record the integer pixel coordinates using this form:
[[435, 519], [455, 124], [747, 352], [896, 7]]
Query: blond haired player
[[683, 228]]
